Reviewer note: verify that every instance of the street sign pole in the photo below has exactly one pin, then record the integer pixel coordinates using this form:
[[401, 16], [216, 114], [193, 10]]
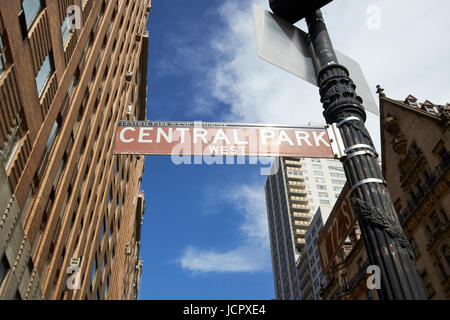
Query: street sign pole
[[385, 242]]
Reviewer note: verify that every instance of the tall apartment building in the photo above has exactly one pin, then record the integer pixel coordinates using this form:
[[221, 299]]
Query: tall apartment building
[[312, 250], [304, 276], [297, 187], [69, 71]]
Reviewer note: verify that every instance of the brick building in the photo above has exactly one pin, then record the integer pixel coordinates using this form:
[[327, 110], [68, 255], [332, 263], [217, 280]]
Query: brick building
[[415, 143], [69, 71]]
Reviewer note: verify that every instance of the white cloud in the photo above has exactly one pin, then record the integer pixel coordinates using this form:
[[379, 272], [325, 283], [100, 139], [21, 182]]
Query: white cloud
[[240, 260], [253, 254], [255, 90], [408, 54]]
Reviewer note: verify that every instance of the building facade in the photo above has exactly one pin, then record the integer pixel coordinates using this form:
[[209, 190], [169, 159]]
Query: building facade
[[71, 210], [346, 278], [416, 165], [286, 233], [415, 141], [312, 249], [295, 187], [343, 258], [304, 276]]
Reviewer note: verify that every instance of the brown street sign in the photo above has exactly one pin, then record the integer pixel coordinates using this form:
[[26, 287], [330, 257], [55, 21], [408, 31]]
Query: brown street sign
[[336, 230], [220, 139]]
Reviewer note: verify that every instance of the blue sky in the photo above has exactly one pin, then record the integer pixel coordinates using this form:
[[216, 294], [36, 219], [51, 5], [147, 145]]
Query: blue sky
[[205, 234]]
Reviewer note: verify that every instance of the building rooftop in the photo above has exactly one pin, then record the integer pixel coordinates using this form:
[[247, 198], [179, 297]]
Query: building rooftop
[[441, 111], [427, 106]]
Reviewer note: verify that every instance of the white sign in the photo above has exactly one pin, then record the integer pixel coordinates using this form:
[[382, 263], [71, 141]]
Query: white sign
[[286, 46]]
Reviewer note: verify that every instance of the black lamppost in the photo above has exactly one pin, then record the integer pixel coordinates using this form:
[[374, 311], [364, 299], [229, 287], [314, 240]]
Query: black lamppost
[[385, 242]]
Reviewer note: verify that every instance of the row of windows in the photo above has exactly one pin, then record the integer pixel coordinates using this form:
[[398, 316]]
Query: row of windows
[[337, 175], [44, 74], [31, 9], [46, 70], [4, 55]]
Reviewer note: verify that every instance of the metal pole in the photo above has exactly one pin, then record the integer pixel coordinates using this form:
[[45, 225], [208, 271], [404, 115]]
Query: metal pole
[[385, 242]]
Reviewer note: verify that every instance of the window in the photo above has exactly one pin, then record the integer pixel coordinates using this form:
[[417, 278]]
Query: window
[[60, 171], [44, 74], [295, 173], [324, 201], [4, 267], [106, 288], [415, 248], [17, 296], [73, 83], [12, 151], [337, 175], [31, 8], [53, 133], [317, 166], [336, 168], [435, 220], [4, 60], [65, 29], [323, 194], [318, 173], [334, 181], [103, 264], [102, 232], [321, 187], [94, 269], [319, 180], [319, 223], [412, 103], [428, 286], [431, 109]]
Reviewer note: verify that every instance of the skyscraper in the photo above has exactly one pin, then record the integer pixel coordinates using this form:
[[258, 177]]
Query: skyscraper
[[296, 188], [69, 71], [312, 250]]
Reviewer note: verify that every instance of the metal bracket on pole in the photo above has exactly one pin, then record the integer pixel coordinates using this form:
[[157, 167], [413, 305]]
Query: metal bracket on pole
[[337, 144], [352, 118], [365, 181]]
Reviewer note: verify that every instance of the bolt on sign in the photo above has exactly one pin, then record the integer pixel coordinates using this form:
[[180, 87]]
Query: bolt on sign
[[336, 230], [220, 139]]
